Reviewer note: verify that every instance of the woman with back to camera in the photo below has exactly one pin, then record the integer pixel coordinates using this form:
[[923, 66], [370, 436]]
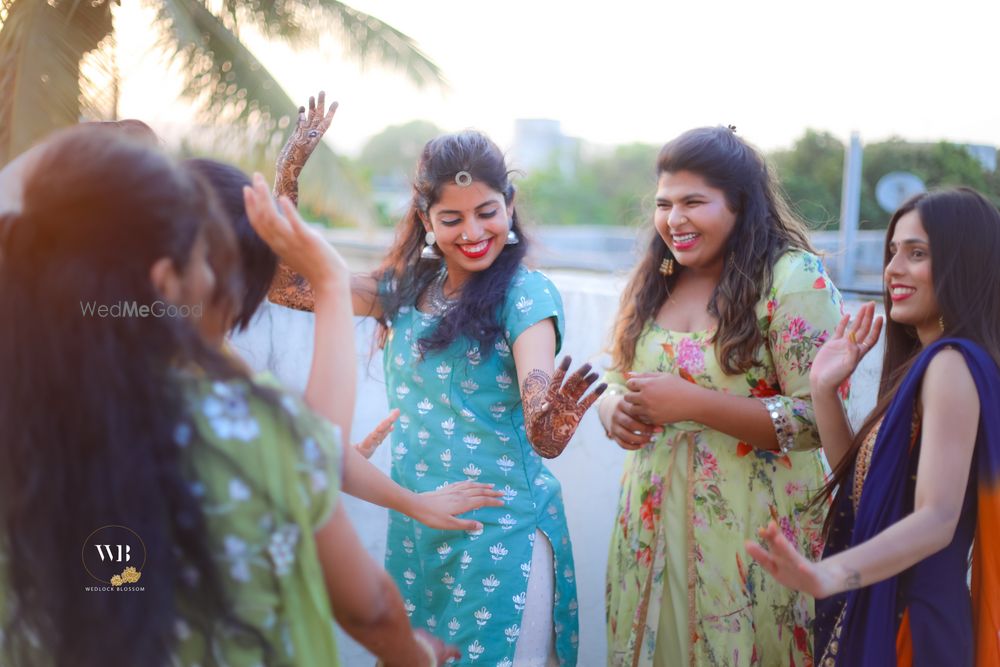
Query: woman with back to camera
[[135, 421], [709, 392], [891, 587]]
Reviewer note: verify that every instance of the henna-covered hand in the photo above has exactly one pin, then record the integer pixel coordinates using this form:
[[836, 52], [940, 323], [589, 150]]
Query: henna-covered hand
[[552, 410], [308, 132], [289, 288]]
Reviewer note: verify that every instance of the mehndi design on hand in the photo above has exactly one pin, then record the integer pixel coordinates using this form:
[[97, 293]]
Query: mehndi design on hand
[[308, 132], [289, 289], [552, 410]]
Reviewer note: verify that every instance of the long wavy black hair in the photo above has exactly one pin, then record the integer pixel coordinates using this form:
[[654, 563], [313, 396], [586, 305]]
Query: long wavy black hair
[[765, 229], [91, 404], [476, 315], [963, 229]]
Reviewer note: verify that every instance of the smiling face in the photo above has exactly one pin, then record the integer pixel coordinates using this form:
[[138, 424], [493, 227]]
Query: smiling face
[[694, 220], [470, 224], [909, 280]]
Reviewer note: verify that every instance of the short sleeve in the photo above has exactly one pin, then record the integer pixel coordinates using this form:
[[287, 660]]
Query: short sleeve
[[801, 312], [319, 460], [532, 297]]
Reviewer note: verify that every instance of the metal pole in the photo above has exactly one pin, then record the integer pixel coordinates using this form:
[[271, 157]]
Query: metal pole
[[850, 212]]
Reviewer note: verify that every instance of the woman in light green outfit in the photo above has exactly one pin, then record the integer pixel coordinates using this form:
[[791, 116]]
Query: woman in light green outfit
[[710, 393], [242, 556]]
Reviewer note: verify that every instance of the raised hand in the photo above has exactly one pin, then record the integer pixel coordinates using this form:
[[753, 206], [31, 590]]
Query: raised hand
[[308, 132], [553, 410], [296, 243], [439, 509], [372, 441], [791, 569], [842, 353]]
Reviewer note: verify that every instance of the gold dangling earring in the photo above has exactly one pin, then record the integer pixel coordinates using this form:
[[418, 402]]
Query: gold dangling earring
[[941, 323], [667, 267]]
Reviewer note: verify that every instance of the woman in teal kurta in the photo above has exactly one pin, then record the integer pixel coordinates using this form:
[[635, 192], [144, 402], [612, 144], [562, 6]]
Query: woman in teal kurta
[[462, 419]]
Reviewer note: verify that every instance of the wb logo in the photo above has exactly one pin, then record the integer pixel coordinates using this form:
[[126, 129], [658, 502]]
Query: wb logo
[[114, 555], [107, 551]]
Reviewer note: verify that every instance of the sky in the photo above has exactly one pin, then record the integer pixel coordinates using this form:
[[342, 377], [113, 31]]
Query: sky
[[640, 70]]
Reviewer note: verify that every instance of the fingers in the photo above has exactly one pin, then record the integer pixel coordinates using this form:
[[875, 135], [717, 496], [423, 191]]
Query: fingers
[[578, 383], [842, 326], [634, 407], [760, 554], [560, 372], [592, 397]]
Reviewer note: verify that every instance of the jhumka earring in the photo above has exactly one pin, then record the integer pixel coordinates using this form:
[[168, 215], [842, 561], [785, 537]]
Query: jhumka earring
[[512, 238], [941, 323], [429, 251], [667, 267]]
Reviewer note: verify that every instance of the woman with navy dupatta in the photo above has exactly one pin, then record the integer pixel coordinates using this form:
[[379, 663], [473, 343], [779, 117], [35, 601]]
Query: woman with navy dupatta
[[918, 486]]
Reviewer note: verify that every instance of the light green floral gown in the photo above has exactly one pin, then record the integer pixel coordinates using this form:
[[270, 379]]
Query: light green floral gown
[[268, 476], [681, 589]]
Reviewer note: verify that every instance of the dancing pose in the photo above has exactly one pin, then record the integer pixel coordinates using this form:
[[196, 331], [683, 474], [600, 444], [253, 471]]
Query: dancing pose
[[470, 337], [712, 347], [891, 587]]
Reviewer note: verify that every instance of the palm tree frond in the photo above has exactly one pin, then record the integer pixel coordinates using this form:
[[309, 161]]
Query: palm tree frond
[[40, 54], [232, 85]]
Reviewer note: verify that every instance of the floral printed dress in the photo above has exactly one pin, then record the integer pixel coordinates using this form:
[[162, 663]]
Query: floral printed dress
[[462, 419], [267, 472], [681, 589]]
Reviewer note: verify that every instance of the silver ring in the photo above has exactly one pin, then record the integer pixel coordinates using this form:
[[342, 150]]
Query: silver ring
[[463, 178], [636, 432]]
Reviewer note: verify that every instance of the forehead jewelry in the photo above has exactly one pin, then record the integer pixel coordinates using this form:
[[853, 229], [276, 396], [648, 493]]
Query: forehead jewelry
[[463, 178]]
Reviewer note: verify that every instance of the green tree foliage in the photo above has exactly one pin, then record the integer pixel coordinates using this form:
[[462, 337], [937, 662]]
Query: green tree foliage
[[44, 42], [811, 173], [613, 189]]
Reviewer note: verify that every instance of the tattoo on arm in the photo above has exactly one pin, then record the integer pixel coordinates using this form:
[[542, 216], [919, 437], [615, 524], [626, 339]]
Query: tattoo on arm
[[853, 580]]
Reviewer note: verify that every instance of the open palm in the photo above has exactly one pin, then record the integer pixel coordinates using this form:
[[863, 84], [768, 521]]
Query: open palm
[[851, 341]]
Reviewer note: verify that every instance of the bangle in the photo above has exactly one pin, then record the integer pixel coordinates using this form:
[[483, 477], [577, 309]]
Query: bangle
[[612, 390], [428, 649], [782, 425]]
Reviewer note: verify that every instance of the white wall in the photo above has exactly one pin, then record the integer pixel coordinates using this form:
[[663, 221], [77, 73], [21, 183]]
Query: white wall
[[280, 340]]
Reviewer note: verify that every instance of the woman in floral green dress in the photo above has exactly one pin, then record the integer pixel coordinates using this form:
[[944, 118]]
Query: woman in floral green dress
[[242, 553], [710, 393]]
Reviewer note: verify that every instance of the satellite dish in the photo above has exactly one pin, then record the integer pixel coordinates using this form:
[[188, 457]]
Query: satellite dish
[[895, 188]]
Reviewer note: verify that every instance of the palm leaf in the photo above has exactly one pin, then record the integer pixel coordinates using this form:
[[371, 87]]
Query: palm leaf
[[41, 46], [231, 84]]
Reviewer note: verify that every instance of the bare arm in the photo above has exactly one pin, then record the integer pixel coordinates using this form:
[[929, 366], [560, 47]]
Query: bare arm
[[552, 411], [365, 601], [949, 428]]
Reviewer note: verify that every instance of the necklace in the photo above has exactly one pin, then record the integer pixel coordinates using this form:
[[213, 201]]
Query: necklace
[[439, 303]]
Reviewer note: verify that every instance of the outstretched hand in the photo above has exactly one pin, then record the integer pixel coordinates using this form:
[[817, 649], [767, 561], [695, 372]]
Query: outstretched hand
[[297, 244], [439, 509], [308, 132], [850, 342], [553, 410], [790, 568]]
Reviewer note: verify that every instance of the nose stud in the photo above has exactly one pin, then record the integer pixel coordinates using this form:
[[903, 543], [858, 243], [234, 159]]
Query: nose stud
[[465, 237]]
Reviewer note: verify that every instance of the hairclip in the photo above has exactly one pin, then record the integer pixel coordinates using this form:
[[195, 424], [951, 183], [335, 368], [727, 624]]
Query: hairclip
[[731, 128], [463, 178]]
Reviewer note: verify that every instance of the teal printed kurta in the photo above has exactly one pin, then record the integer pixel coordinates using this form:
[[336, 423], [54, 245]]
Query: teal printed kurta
[[462, 419]]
